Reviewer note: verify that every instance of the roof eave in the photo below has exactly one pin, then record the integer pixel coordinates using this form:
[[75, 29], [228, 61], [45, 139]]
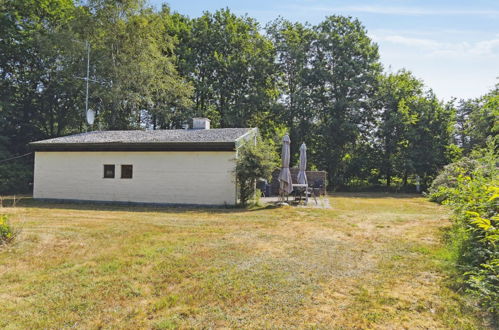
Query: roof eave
[[170, 146]]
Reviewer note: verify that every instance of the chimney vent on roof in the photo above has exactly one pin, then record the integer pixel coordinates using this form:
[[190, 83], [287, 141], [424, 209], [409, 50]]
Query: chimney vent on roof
[[200, 123]]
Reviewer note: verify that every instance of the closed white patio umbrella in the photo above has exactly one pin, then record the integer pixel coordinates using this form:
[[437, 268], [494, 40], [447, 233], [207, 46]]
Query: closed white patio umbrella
[[285, 184], [302, 176]]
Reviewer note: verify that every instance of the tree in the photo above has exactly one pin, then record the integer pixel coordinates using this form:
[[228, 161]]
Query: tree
[[415, 129], [154, 69], [254, 161], [292, 42], [395, 90], [37, 60], [478, 121], [43, 60], [134, 63], [429, 132], [345, 65], [231, 67], [38, 90]]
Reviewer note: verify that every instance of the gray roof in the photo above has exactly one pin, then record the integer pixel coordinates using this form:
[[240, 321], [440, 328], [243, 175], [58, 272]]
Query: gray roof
[[178, 139]]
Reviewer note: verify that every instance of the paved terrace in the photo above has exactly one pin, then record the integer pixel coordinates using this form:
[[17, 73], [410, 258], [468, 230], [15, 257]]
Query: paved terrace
[[322, 202]]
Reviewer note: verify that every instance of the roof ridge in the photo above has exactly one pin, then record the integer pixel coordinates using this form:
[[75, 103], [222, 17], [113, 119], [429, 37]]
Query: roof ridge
[[148, 137]]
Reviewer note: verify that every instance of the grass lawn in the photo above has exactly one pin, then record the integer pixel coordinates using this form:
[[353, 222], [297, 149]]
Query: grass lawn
[[372, 261]]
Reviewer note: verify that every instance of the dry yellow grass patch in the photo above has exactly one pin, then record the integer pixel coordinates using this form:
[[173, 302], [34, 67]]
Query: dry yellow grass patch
[[372, 261]]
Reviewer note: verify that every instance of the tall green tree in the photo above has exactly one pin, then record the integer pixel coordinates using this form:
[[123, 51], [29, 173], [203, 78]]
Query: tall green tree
[[134, 64], [478, 121], [37, 64], [231, 65], [154, 69], [293, 42], [414, 132], [395, 90], [38, 61], [345, 65], [430, 125]]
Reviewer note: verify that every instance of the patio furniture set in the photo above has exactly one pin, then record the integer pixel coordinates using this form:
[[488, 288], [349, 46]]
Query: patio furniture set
[[300, 188]]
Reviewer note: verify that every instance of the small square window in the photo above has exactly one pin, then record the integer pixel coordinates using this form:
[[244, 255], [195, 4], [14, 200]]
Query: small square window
[[108, 171], [126, 171]]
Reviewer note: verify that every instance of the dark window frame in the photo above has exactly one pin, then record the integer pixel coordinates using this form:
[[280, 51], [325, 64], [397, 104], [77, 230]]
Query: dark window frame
[[127, 171], [108, 167]]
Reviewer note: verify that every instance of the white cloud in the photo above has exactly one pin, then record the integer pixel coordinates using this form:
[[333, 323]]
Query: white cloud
[[412, 42], [418, 11], [432, 48], [396, 10], [452, 66], [486, 47]]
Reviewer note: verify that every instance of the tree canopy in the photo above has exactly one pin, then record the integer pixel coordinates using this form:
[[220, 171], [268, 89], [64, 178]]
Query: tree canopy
[[154, 69]]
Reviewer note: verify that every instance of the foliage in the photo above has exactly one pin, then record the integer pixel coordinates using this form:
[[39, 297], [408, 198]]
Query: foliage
[[43, 57], [156, 69], [447, 179], [345, 66], [129, 40], [293, 42], [7, 233], [473, 194], [415, 129], [327, 77], [230, 63], [478, 121], [15, 175], [37, 64], [254, 161]]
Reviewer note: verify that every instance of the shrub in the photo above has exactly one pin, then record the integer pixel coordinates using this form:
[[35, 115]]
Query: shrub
[[254, 161], [15, 175], [447, 178], [473, 194], [7, 233], [15, 178]]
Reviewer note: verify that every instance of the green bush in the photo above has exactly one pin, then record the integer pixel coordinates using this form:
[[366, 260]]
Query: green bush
[[254, 161], [447, 178], [16, 174], [473, 194], [15, 178], [7, 233]]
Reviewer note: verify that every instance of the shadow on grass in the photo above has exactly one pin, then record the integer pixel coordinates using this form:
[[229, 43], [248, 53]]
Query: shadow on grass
[[29, 202], [374, 195]]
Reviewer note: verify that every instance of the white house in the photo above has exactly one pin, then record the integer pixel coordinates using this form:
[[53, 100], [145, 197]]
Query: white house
[[185, 166]]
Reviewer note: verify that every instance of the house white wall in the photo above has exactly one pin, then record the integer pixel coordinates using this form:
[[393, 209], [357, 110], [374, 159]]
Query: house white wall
[[158, 177]]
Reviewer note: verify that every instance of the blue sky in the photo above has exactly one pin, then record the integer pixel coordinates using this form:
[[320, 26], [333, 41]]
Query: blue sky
[[452, 45]]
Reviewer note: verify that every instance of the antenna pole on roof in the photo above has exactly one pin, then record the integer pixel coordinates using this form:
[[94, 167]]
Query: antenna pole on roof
[[88, 74], [88, 112]]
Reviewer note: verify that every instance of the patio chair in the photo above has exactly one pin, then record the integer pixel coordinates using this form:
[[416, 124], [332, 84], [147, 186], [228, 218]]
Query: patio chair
[[298, 194], [264, 187], [261, 185], [316, 187], [305, 193]]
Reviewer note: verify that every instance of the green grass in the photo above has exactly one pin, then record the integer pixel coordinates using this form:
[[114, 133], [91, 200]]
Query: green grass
[[372, 261]]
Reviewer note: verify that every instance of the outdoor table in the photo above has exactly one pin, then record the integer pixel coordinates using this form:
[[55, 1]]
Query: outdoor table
[[304, 186]]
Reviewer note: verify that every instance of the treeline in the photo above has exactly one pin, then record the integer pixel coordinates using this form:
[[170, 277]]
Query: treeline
[[154, 69]]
